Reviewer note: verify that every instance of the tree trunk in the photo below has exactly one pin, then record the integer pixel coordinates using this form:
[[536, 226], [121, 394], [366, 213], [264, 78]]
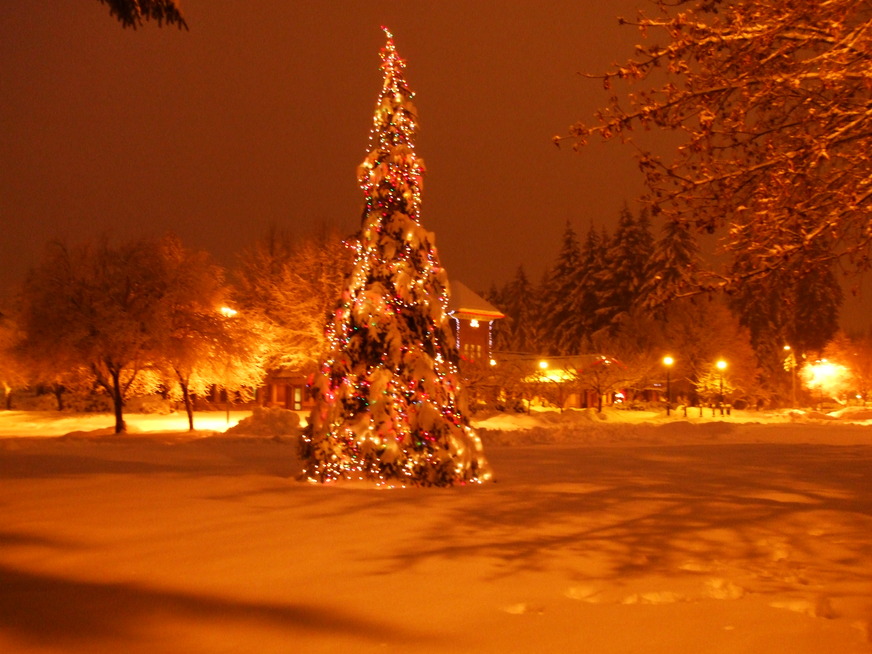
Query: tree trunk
[[118, 402], [59, 396], [189, 407]]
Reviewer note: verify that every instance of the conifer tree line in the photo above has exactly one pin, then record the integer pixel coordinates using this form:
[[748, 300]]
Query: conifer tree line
[[634, 293], [591, 287]]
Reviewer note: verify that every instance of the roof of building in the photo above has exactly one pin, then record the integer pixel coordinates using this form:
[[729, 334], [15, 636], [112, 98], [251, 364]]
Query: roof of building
[[465, 303]]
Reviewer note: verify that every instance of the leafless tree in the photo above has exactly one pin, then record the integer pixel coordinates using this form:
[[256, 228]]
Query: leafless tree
[[205, 342], [97, 307], [134, 317], [291, 285]]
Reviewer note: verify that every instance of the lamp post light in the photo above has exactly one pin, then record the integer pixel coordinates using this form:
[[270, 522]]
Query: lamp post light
[[668, 361], [721, 364], [227, 312]]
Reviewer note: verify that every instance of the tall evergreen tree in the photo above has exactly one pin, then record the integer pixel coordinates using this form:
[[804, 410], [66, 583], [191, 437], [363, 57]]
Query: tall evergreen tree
[[558, 289], [762, 306], [520, 331], [646, 236], [674, 265], [387, 404], [796, 306], [628, 255], [584, 320]]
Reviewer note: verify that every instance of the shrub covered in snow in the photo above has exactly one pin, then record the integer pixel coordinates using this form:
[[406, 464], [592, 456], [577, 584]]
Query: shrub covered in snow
[[268, 421]]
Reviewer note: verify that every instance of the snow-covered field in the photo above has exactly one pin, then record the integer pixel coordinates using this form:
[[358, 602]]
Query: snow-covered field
[[637, 533]]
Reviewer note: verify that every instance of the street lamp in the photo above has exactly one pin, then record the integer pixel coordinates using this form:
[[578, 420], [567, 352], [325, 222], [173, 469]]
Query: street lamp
[[668, 361], [722, 365], [227, 312]]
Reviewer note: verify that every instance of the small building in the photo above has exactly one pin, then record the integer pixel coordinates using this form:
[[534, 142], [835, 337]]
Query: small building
[[472, 318], [287, 388]]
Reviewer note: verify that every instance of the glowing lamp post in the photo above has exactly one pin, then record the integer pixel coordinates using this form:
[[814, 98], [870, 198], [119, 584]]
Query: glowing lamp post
[[227, 312], [722, 365], [668, 361]]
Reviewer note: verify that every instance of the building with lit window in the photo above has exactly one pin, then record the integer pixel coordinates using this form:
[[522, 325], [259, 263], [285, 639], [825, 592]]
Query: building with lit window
[[472, 318]]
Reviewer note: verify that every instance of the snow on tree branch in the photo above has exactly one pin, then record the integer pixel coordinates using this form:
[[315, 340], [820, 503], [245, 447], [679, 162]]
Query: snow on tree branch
[[773, 105]]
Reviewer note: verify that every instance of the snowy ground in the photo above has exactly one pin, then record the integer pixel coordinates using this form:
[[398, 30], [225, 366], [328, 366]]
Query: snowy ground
[[751, 533]]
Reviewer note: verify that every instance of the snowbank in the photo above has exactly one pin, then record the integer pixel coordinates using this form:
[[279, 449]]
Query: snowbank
[[495, 429], [645, 427], [273, 422]]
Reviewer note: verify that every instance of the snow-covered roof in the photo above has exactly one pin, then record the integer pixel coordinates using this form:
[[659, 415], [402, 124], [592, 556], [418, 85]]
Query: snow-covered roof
[[465, 303]]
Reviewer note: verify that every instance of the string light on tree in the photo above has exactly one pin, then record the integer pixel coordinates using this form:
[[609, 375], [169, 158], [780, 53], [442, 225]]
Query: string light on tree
[[388, 406]]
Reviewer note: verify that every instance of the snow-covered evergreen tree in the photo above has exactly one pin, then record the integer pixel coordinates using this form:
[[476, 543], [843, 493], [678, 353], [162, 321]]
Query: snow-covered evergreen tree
[[674, 265], [519, 331], [583, 319], [628, 256], [792, 305], [558, 289], [388, 407]]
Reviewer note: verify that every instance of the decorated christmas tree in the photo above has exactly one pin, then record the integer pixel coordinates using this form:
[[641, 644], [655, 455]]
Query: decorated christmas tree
[[388, 406]]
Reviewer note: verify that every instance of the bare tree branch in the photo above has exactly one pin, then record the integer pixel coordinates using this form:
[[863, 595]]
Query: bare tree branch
[[774, 100]]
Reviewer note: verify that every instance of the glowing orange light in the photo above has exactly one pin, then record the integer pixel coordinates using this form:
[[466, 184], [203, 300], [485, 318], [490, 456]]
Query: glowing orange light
[[827, 377]]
